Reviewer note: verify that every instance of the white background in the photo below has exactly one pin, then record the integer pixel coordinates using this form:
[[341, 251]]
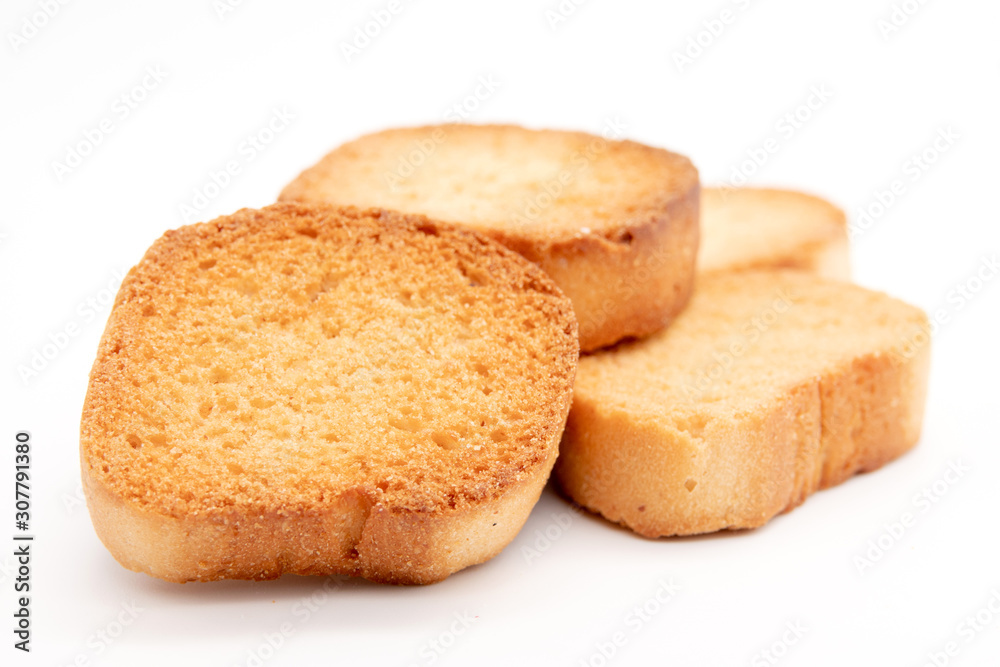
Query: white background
[[65, 240]]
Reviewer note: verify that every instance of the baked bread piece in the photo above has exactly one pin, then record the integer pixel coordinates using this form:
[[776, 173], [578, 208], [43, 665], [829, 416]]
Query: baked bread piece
[[770, 386], [750, 228], [314, 390], [614, 223]]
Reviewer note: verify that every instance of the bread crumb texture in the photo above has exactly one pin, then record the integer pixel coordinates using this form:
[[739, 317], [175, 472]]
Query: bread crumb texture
[[299, 360]]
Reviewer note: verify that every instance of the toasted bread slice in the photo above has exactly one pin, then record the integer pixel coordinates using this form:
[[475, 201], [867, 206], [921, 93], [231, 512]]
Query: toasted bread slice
[[749, 228], [314, 390], [614, 223], [770, 386]]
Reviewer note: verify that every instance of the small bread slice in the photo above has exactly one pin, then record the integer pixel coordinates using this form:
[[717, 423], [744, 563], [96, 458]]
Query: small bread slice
[[770, 386], [314, 390], [614, 223], [751, 228]]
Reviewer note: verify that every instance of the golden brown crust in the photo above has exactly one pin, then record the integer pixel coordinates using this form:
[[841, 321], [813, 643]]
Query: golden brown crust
[[218, 442], [631, 287], [620, 237], [378, 543], [831, 388]]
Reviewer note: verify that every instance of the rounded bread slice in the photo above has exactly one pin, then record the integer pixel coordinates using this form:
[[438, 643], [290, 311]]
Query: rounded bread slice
[[770, 386], [313, 390]]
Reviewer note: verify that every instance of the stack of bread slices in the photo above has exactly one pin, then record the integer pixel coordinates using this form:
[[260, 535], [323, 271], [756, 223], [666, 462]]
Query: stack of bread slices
[[377, 375]]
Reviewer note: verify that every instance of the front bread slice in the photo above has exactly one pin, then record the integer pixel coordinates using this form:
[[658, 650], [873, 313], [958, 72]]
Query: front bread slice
[[613, 223], [313, 390], [770, 386]]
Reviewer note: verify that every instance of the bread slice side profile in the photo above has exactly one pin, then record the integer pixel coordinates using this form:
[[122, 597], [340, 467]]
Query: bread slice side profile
[[770, 386], [759, 228], [614, 223], [316, 390]]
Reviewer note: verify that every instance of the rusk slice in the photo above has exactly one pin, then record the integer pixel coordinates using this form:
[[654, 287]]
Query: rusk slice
[[314, 390], [614, 223], [750, 228], [770, 386]]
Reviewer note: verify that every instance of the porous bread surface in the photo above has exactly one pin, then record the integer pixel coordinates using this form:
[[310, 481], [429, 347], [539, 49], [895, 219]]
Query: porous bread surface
[[770, 386], [614, 223], [291, 374], [756, 228]]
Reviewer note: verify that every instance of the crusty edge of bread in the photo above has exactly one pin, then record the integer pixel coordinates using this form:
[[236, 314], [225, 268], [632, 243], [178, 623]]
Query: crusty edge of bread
[[390, 545], [628, 282], [661, 480]]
